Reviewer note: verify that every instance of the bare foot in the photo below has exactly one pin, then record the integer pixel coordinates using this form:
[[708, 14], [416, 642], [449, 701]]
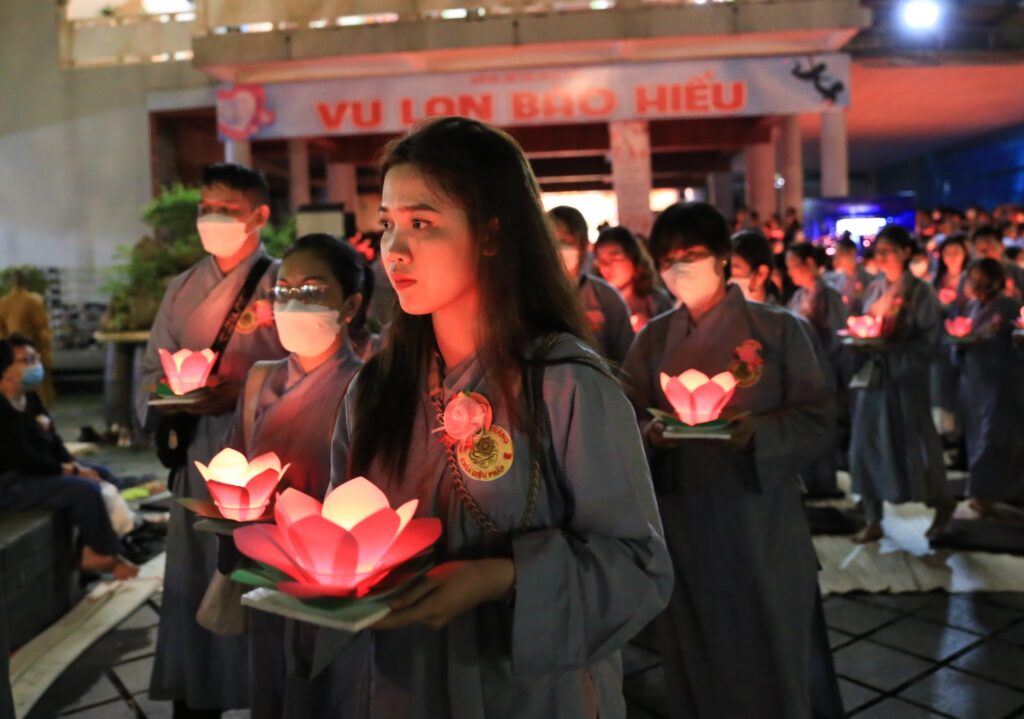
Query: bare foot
[[120, 567], [982, 507], [872, 532], [943, 513]]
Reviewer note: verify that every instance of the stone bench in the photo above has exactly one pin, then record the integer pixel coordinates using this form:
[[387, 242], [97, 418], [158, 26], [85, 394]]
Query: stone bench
[[37, 571]]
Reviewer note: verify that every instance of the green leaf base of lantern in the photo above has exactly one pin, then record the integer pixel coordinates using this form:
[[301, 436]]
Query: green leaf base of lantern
[[348, 614], [674, 429]]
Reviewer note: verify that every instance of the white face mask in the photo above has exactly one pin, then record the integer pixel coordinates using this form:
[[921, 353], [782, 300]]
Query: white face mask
[[919, 268], [221, 235], [744, 284], [692, 283], [306, 330], [570, 258]]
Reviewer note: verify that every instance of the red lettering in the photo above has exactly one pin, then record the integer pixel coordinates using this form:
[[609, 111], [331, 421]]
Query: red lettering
[[439, 105], [480, 107], [697, 96], [524, 106], [558, 103], [738, 100], [651, 100], [407, 114], [598, 102], [374, 118], [332, 117]]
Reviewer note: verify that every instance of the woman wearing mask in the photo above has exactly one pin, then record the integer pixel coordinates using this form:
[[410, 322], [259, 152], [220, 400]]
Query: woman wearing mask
[[623, 262], [545, 570], [606, 312], [750, 267], [739, 630], [290, 407], [825, 312], [992, 391], [895, 452], [951, 286]]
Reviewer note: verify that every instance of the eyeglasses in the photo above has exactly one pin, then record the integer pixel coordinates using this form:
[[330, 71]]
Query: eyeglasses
[[306, 294]]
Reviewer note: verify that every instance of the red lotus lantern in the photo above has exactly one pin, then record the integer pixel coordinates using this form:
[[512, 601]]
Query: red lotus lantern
[[864, 326], [186, 370], [341, 548], [959, 326], [696, 398], [947, 296], [242, 490]]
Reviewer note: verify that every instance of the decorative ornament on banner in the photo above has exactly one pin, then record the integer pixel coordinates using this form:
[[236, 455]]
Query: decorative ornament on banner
[[543, 96]]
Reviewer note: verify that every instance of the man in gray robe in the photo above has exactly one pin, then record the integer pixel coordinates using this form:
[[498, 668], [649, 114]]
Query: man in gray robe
[[201, 672]]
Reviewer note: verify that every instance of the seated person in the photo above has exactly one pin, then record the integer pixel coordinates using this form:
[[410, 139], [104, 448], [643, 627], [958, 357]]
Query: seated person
[[36, 470]]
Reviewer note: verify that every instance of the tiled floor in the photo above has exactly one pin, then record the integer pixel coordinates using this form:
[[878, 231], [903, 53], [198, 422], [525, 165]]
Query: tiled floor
[[903, 656], [899, 656]]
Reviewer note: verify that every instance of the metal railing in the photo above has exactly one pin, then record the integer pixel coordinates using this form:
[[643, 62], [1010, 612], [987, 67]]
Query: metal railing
[[116, 40]]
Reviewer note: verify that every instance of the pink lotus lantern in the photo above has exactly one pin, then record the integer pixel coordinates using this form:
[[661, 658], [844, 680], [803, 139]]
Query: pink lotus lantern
[[340, 548], [697, 399], [864, 326], [1020, 320], [242, 490], [959, 326], [186, 370], [947, 296]]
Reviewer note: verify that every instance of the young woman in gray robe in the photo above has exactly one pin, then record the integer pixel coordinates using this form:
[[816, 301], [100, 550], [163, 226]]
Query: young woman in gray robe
[[823, 308], [552, 555], [194, 668], [895, 451], [950, 285], [992, 392], [739, 632], [290, 407], [606, 312]]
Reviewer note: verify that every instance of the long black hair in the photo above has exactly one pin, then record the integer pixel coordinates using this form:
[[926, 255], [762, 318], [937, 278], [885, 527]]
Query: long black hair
[[346, 265], [940, 274], [753, 247], [524, 290], [645, 278]]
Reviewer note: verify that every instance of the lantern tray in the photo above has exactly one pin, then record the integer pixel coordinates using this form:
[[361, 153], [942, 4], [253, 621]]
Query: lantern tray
[[213, 521], [164, 397], [965, 340], [848, 340], [348, 614], [674, 429]]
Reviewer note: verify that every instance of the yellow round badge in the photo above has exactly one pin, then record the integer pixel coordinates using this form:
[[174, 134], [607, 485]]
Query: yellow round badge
[[490, 456]]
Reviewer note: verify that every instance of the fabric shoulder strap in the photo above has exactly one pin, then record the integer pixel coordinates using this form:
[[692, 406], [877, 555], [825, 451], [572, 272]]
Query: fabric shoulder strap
[[242, 299]]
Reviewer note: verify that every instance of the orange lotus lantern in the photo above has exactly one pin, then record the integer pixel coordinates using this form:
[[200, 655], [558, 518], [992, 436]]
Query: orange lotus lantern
[[864, 326], [242, 490], [340, 548], [959, 326], [695, 397], [186, 370], [947, 296]]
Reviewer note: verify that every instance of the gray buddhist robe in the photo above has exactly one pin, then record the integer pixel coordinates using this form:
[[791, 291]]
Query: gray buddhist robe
[[851, 289], [944, 377], [590, 573], [193, 665], [294, 417], [608, 317], [992, 398], [737, 635], [895, 451], [823, 308]]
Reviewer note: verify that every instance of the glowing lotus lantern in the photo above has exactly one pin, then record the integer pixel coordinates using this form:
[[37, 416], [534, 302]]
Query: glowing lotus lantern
[[186, 370], [242, 490], [695, 397], [340, 548], [864, 326], [947, 296], [959, 326], [1020, 320]]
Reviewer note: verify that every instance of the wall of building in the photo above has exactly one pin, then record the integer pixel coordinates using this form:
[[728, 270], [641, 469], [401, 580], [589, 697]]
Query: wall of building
[[74, 150], [988, 171]]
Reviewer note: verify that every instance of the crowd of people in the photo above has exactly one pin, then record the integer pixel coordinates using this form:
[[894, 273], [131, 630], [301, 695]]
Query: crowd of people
[[606, 522]]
